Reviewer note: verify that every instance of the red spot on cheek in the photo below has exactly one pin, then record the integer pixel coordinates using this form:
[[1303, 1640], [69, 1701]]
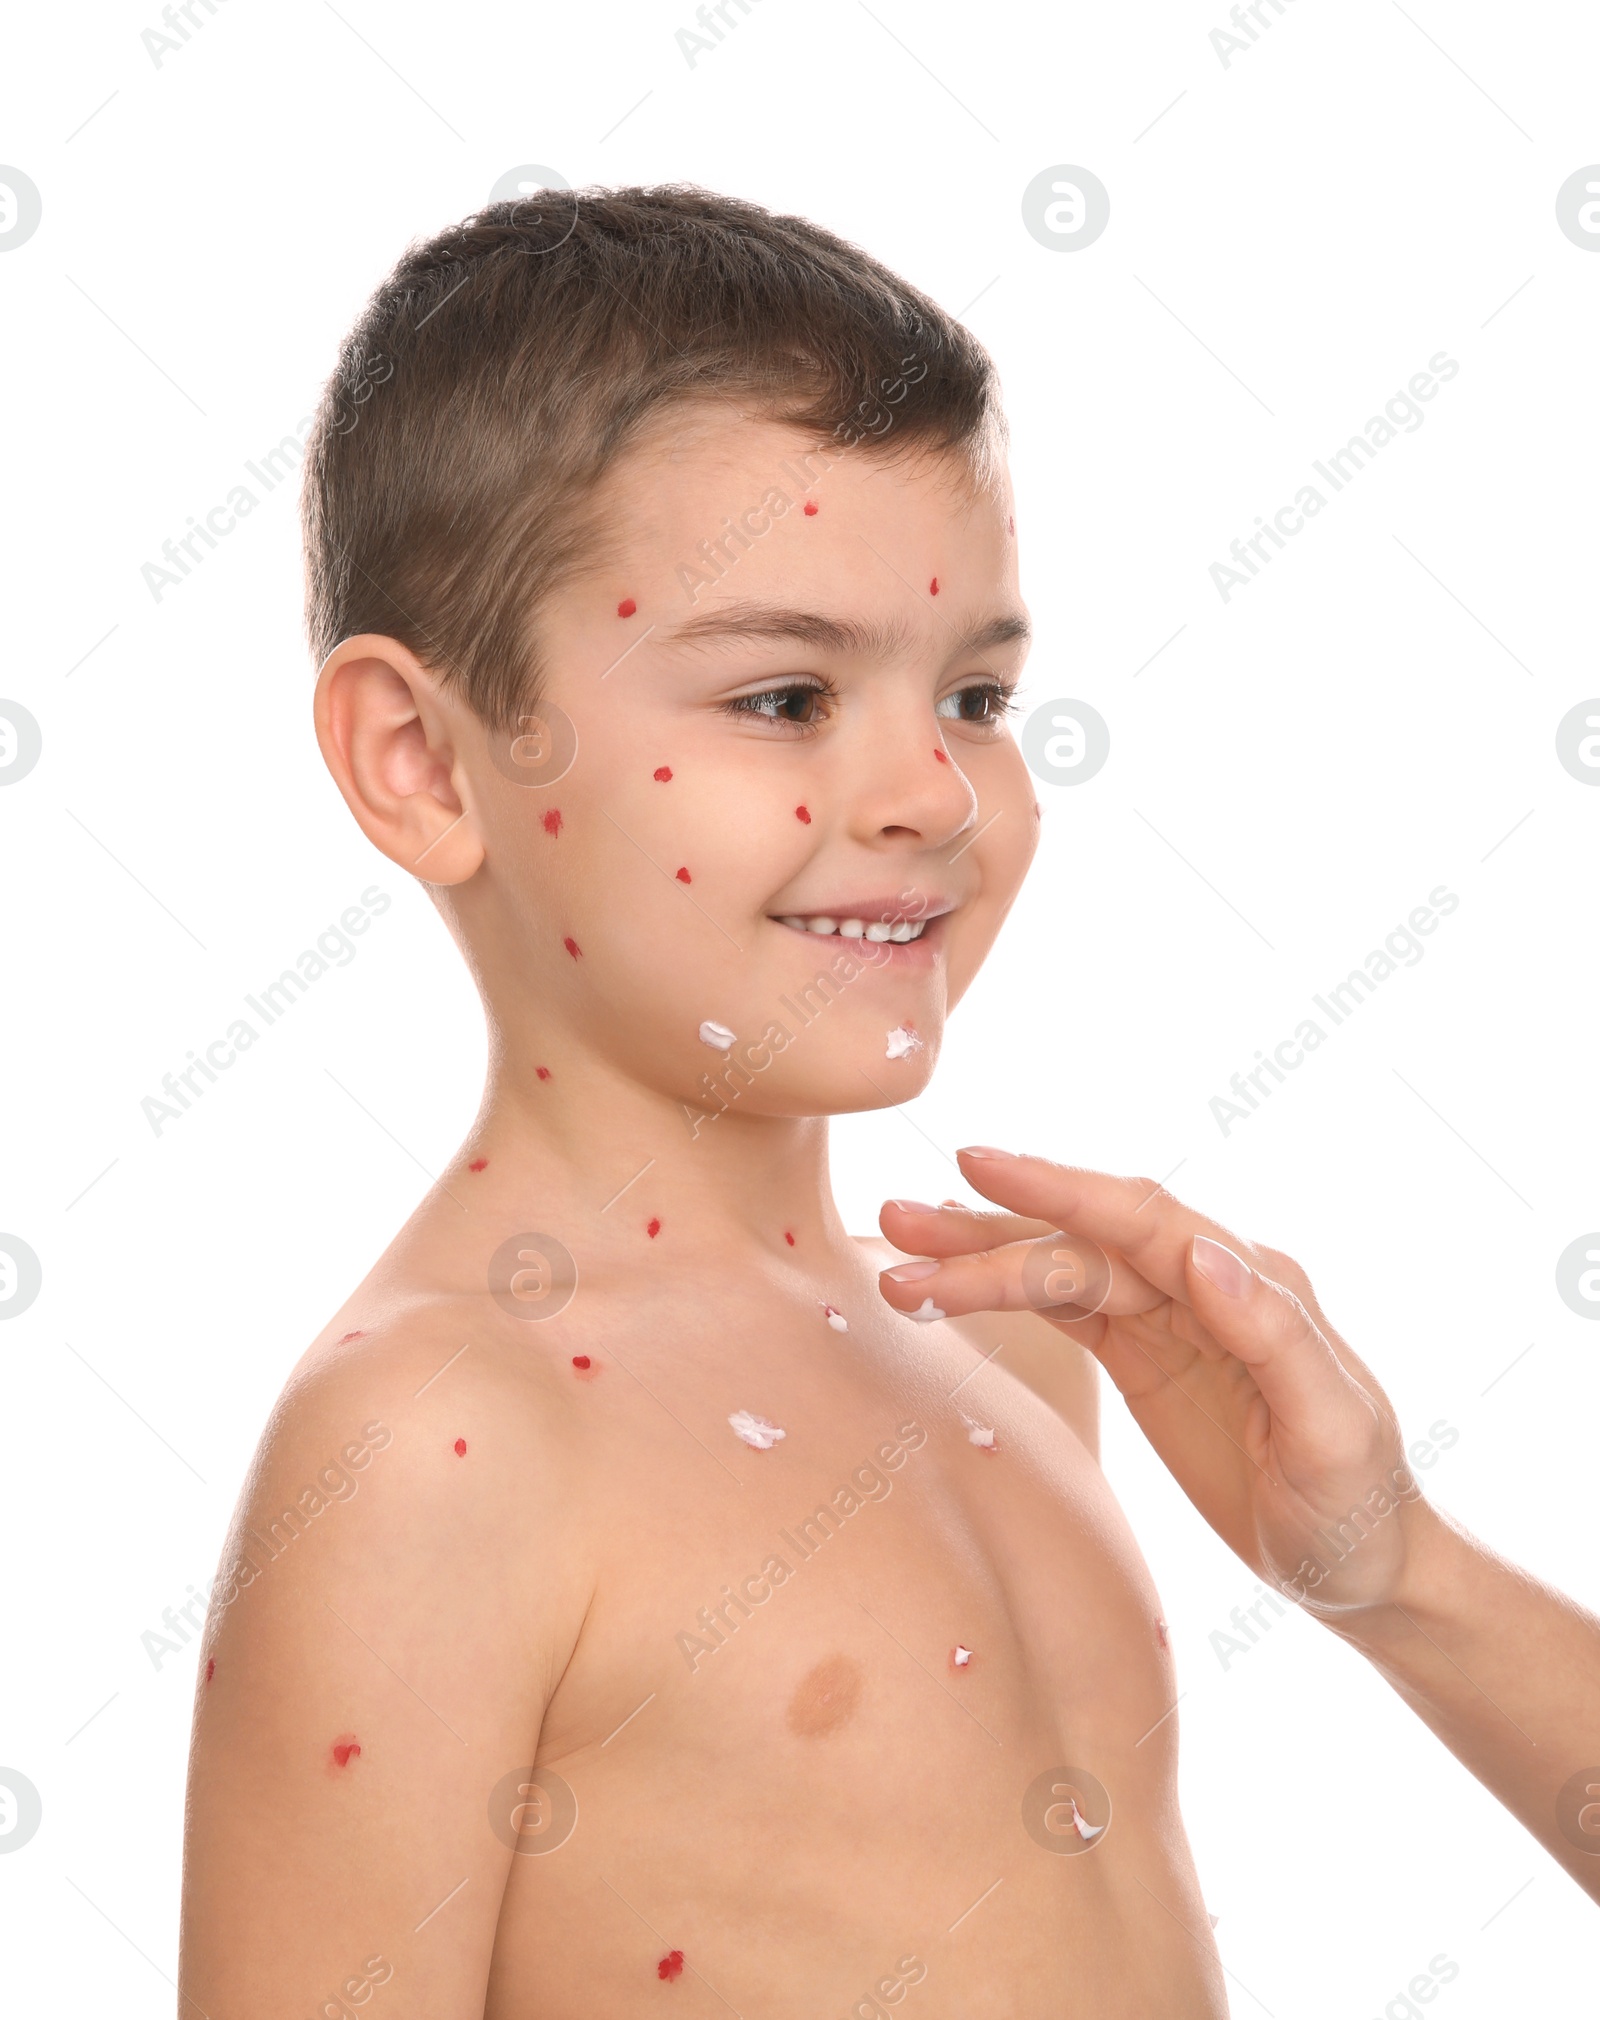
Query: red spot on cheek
[[662, 772], [653, 1229], [343, 1749], [543, 1072], [942, 756], [211, 1667], [572, 947], [801, 814], [671, 1965], [346, 1338], [789, 1238], [811, 510], [626, 607], [552, 821], [584, 1368], [479, 1164], [461, 1448], [933, 587], [684, 877]]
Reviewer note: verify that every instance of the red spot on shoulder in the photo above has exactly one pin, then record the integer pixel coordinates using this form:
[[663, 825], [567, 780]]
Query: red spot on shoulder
[[344, 1749], [811, 510], [942, 756], [346, 1338], [801, 814], [671, 1965], [626, 607], [543, 1072], [662, 772], [684, 877], [461, 1448], [933, 587], [654, 1227], [572, 946], [479, 1164], [789, 1238], [211, 1667], [551, 822]]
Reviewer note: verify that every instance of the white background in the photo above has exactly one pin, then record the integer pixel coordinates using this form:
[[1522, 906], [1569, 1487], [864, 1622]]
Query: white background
[[1292, 236]]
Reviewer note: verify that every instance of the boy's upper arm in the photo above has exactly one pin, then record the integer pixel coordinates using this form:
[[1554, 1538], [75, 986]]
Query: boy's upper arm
[[389, 1620], [1055, 1367]]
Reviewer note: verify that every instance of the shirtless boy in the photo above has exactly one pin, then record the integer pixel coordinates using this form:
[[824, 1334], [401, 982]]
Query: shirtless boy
[[638, 1604]]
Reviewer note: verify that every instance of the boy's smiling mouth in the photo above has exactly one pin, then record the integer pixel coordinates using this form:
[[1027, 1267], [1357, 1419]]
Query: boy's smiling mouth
[[881, 920]]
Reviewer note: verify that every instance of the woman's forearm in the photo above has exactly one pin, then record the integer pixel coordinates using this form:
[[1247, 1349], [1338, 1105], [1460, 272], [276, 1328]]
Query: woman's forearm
[[1506, 1670]]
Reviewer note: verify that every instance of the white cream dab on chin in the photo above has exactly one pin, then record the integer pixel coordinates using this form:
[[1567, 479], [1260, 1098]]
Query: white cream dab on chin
[[836, 1318], [1087, 1831], [717, 1036], [980, 1435], [960, 1656], [756, 1432], [902, 1041]]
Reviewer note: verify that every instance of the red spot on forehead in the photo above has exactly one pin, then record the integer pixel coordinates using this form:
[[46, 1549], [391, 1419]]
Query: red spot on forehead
[[211, 1667], [552, 821], [580, 1360], [933, 587], [461, 1448], [684, 877], [801, 814], [654, 1227], [811, 510], [671, 1965], [942, 756], [343, 1749], [626, 607], [572, 947], [789, 1238], [346, 1338], [479, 1164], [662, 772], [543, 1072]]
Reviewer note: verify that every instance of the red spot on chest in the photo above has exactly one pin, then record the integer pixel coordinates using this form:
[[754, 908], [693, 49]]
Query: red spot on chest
[[933, 587], [572, 946], [811, 510], [654, 1228], [479, 1164], [684, 877], [662, 772], [671, 1965], [461, 1448], [346, 1338], [801, 814], [543, 1072], [344, 1750], [626, 607], [551, 822]]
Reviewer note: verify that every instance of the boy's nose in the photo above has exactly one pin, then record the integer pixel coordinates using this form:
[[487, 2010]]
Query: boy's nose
[[910, 786]]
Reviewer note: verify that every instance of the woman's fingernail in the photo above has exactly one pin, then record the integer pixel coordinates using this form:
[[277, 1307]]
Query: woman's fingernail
[[1220, 1266], [913, 1206], [912, 1273], [981, 1150]]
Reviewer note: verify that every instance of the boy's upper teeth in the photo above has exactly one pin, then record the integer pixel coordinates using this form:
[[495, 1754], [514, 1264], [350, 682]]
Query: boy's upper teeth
[[857, 929]]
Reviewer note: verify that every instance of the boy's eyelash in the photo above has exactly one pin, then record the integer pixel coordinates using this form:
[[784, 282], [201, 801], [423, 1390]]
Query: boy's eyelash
[[1002, 701]]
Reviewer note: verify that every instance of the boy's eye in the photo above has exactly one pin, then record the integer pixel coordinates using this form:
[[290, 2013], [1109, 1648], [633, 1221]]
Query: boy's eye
[[985, 704], [791, 703]]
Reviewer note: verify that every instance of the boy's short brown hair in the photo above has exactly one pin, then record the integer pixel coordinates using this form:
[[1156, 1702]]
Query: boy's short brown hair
[[504, 366]]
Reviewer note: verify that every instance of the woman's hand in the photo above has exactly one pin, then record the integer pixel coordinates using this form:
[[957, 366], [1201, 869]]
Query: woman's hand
[[1277, 1431]]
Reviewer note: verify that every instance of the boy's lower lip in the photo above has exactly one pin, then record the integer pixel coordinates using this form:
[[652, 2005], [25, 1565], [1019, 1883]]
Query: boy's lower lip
[[902, 954]]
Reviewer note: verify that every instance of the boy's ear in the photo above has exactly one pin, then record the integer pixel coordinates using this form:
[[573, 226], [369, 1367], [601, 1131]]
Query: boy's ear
[[391, 742]]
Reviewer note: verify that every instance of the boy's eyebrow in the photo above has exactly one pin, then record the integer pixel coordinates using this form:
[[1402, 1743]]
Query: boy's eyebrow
[[871, 639]]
